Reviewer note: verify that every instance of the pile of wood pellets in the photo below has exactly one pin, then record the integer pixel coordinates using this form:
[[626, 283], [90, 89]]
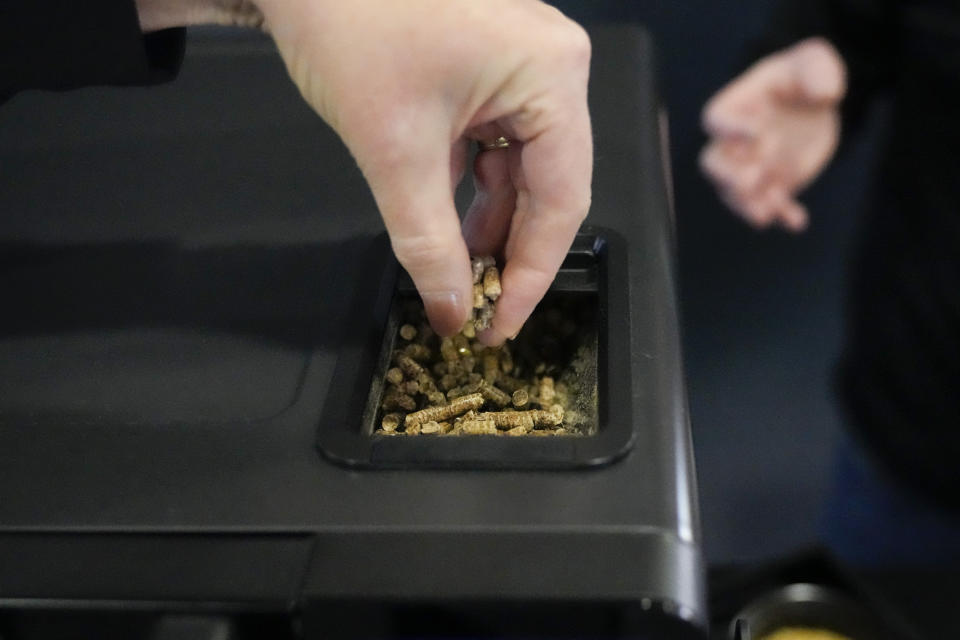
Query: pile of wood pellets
[[457, 386]]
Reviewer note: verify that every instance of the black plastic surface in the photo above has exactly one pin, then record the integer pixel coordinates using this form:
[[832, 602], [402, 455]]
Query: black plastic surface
[[228, 228]]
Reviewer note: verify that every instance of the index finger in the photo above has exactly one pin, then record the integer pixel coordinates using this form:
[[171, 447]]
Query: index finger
[[552, 175]]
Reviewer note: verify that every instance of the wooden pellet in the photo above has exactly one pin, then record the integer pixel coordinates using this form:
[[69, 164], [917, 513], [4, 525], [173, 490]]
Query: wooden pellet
[[491, 283], [410, 368], [448, 381], [437, 385], [479, 265], [510, 384], [520, 397], [430, 428], [396, 399], [472, 386], [426, 383], [491, 367], [531, 419], [417, 351], [547, 392], [494, 395], [508, 419], [477, 427], [456, 407], [390, 422], [478, 299], [484, 318], [448, 350]]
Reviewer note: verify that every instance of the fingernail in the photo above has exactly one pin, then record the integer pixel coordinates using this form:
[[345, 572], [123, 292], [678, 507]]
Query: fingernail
[[445, 311]]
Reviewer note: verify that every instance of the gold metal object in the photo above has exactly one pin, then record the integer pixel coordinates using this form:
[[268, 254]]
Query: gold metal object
[[491, 145]]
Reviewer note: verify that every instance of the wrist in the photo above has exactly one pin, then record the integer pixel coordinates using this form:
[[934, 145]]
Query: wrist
[[155, 15]]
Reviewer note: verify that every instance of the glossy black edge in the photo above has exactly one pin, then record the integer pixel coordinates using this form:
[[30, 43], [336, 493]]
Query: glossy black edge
[[640, 570], [343, 435]]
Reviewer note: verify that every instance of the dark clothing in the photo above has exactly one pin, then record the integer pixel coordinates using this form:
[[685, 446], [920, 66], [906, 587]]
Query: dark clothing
[[899, 376], [64, 44]]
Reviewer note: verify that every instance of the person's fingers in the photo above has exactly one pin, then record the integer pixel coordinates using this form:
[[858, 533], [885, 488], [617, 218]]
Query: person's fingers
[[788, 212], [811, 73], [487, 222], [816, 74], [553, 198], [458, 162], [752, 208], [733, 167], [769, 205], [737, 110], [411, 184]]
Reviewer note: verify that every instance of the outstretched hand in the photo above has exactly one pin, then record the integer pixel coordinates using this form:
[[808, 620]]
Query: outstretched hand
[[772, 131]]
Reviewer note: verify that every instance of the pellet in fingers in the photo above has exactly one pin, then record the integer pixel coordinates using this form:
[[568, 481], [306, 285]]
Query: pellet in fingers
[[484, 318], [476, 269], [491, 283], [478, 299]]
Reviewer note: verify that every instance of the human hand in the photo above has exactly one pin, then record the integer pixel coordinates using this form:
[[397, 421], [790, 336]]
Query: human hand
[[772, 130], [407, 85]]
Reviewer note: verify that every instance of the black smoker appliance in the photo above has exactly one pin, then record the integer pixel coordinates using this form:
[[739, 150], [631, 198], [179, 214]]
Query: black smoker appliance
[[198, 299]]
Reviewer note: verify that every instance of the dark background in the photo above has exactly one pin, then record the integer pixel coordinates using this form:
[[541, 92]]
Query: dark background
[[762, 311]]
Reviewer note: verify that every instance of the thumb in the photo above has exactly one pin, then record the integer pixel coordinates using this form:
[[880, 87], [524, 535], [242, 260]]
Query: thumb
[[412, 188], [814, 73], [735, 111]]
